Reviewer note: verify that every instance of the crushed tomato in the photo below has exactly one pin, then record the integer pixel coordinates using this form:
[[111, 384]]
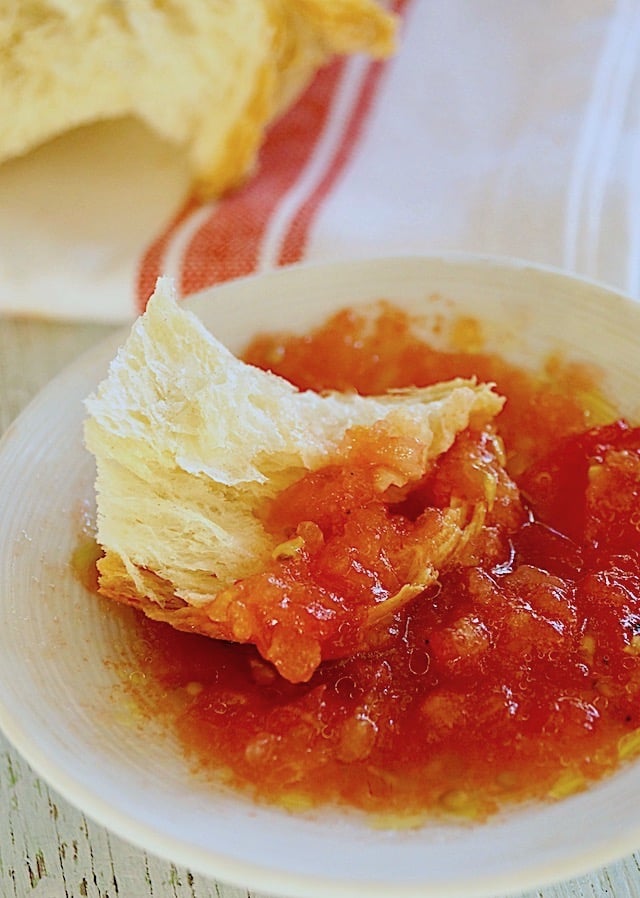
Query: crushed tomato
[[515, 676]]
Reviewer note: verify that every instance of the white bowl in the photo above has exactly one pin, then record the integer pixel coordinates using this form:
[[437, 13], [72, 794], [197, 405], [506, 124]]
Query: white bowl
[[62, 704]]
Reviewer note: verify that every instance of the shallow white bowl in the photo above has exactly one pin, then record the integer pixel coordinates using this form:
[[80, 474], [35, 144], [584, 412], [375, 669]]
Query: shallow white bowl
[[62, 705]]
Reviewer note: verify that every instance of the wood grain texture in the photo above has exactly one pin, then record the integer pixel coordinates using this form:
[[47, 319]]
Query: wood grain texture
[[49, 849]]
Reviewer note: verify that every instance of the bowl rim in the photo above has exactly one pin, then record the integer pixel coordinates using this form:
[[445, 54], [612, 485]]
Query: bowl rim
[[257, 876]]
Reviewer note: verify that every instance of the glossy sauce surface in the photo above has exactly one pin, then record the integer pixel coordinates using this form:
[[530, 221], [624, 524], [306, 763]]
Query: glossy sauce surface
[[515, 676]]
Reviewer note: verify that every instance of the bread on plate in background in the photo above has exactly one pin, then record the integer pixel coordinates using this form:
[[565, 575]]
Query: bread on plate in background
[[205, 75]]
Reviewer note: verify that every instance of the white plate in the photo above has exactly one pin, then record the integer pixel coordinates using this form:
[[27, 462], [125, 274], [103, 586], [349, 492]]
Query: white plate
[[61, 703]]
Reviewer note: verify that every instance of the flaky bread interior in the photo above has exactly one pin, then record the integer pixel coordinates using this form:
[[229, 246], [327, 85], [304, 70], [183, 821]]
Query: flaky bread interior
[[190, 443], [206, 76]]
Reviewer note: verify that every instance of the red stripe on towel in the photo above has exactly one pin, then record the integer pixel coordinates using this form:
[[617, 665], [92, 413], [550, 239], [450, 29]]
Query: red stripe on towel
[[295, 241], [228, 243]]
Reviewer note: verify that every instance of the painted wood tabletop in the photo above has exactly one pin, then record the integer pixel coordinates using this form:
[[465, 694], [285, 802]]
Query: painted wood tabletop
[[49, 849]]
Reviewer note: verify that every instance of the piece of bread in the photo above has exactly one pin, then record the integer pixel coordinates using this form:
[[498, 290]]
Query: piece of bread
[[191, 443], [204, 75]]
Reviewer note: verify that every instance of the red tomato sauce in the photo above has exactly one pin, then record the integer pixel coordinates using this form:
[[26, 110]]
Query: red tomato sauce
[[516, 676]]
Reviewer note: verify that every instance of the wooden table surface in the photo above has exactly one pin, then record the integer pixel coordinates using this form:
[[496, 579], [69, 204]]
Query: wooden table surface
[[49, 849]]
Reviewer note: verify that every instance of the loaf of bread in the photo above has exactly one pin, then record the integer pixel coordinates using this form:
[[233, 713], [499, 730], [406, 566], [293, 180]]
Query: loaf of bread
[[206, 76], [191, 443]]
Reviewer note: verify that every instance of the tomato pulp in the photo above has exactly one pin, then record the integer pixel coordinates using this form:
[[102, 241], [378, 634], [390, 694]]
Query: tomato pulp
[[515, 676]]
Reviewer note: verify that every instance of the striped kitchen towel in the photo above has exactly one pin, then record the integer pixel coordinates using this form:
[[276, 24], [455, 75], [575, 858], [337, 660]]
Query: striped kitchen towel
[[498, 127]]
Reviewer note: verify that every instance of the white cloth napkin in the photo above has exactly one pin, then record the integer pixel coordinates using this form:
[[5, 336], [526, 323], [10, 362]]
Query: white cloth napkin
[[507, 127]]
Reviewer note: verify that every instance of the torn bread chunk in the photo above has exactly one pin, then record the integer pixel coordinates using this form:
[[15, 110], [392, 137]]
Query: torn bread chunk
[[194, 448]]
